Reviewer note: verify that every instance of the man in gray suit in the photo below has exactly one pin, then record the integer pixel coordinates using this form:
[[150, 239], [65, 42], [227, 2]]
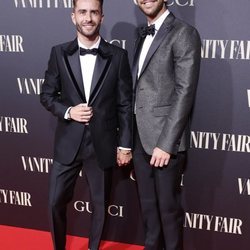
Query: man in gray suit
[[165, 73]]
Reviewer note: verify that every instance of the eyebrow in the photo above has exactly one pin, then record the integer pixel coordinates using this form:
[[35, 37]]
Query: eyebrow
[[89, 10]]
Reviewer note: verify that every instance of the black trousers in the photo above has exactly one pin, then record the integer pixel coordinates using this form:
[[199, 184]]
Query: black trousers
[[159, 194], [62, 183]]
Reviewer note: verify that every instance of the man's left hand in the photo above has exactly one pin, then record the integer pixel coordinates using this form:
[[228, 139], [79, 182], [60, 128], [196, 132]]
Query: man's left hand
[[159, 158]]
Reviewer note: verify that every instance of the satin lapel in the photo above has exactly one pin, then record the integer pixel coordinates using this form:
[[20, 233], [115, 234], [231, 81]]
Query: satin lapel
[[161, 34], [73, 67], [102, 65], [138, 46]]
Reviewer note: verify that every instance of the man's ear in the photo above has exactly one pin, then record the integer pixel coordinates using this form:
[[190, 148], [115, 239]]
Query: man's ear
[[102, 18], [73, 18], [135, 2]]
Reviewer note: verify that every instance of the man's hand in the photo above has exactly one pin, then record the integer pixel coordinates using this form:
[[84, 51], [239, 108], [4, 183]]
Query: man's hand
[[81, 113], [159, 158], [123, 157]]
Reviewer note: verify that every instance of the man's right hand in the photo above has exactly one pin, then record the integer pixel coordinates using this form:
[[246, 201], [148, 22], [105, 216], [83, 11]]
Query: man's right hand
[[81, 113], [123, 157]]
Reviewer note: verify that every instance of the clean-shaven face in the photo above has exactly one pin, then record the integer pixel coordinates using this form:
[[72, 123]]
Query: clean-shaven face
[[87, 17], [151, 8]]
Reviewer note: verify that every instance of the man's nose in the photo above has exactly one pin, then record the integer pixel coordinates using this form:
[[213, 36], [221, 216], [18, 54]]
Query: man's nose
[[88, 17]]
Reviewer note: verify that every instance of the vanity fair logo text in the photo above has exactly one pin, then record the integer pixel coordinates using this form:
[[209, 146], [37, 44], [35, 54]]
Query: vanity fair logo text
[[13, 125], [69, 3], [220, 141], [36, 164], [248, 97], [11, 43], [213, 223], [29, 86], [225, 49], [43, 4], [12, 197], [244, 186]]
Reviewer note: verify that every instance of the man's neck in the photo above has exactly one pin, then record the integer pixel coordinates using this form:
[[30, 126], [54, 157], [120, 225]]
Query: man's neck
[[88, 42], [152, 19]]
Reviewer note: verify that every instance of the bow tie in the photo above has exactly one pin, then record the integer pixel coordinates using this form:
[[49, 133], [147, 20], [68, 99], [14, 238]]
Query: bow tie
[[147, 30], [88, 51]]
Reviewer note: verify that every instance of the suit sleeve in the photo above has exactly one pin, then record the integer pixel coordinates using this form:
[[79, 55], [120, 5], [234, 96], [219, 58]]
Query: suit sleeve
[[50, 96], [186, 56], [124, 103]]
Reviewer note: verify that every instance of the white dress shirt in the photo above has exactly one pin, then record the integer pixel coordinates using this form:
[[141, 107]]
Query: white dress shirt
[[87, 63], [149, 39], [87, 67]]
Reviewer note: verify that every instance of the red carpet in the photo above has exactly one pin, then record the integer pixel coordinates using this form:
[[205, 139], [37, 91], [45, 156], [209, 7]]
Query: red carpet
[[14, 238]]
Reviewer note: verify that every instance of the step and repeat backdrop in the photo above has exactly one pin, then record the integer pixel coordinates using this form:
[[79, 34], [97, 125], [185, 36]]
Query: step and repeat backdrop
[[216, 181]]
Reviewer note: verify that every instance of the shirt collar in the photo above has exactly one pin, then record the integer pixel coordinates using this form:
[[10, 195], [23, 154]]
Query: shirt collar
[[160, 20], [94, 46]]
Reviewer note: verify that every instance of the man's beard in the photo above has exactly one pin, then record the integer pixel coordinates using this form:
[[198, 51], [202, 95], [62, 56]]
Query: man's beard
[[88, 34]]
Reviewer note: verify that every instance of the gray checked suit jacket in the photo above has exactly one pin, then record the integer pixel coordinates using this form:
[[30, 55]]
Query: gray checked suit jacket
[[165, 90]]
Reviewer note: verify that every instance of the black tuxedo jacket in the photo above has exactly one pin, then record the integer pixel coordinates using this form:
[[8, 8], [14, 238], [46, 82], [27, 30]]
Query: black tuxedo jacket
[[110, 97]]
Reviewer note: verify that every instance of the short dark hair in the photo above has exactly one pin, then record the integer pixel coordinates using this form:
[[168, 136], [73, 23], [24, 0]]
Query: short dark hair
[[75, 2]]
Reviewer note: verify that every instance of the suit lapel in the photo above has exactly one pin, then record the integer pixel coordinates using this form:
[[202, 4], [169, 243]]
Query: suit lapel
[[72, 61], [102, 65], [161, 34], [138, 46]]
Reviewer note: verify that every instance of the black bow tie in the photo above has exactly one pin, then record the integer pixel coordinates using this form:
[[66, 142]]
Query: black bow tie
[[88, 51], [147, 30]]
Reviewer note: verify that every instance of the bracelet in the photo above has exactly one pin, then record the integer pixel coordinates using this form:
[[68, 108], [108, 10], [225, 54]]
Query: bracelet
[[127, 153]]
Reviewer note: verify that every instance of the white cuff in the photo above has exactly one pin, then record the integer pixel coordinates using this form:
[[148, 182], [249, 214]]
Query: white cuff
[[66, 115]]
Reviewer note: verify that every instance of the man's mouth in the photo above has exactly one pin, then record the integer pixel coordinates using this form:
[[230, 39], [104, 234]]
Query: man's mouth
[[88, 26], [149, 2]]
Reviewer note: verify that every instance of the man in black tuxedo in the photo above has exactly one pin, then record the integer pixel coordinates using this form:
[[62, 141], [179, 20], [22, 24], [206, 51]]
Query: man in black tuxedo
[[165, 75], [88, 87]]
